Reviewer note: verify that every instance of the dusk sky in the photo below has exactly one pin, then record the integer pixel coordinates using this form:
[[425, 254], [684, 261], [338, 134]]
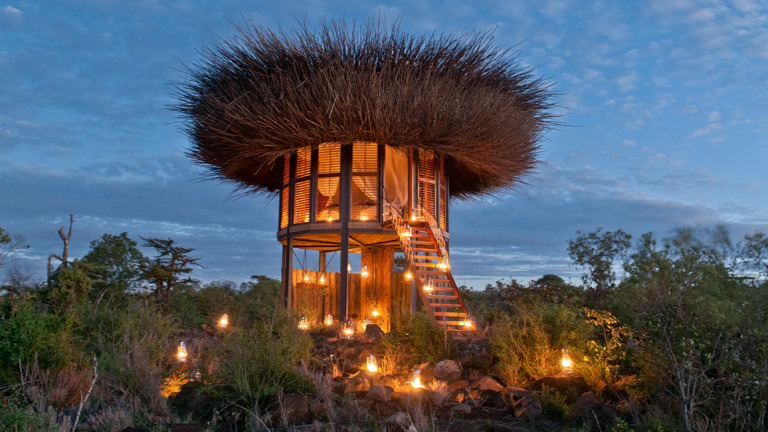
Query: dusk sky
[[665, 105]]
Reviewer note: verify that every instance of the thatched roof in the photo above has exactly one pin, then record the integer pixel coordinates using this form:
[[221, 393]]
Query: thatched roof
[[262, 94]]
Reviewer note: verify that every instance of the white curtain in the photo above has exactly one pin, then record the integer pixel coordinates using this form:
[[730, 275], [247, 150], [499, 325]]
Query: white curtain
[[396, 177]]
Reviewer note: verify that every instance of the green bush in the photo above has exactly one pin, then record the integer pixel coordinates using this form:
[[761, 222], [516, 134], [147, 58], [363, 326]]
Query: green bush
[[416, 340], [29, 334]]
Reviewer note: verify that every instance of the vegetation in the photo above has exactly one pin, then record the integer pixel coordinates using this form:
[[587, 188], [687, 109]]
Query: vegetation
[[670, 333]]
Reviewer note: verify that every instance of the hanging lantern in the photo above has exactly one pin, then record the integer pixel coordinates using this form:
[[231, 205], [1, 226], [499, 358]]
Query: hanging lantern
[[322, 279], [428, 286], [375, 312], [328, 320], [349, 330], [303, 323], [181, 352], [370, 364], [364, 272], [416, 381], [224, 321], [566, 362], [408, 275]]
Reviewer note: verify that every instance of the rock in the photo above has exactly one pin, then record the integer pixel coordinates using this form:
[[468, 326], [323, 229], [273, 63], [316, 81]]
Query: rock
[[374, 332], [461, 408], [528, 408], [492, 398], [458, 385], [487, 383], [569, 384], [400, 421], [447, 370], [586, 400], [515, 393], [380, 393]]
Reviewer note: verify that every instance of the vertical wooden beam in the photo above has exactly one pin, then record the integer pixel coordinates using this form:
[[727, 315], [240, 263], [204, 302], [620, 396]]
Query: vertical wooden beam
[[313, 186], [380, 181], [286, 292], [344, 210]]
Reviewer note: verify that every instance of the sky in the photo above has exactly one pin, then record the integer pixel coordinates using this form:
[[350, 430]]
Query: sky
[[664, 105]]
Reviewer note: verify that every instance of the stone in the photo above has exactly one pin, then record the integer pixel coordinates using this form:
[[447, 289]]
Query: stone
[[462, 408], [458, 385], [374, 332], [586, 400], [515, 393], [399, 420], [380, 393], [492, 398], [528, 408], [570, 384], [447, 370], [487, 383]]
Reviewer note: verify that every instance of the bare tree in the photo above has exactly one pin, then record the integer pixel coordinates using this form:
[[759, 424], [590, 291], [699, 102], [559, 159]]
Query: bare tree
[[64, 258], [9, 244]]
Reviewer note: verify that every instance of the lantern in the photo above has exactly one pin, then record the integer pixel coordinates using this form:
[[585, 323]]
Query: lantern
[[330, 218], [224, 321], [443, 265], [364, 216], [181, 352], [375, 312], [468, 323], [328, 320], [566, 360], [416, 381], [364, 272], [322, 279], [303, 323], [428, 286], [370, 364], [408, 275], [349, 330], [306, 277]]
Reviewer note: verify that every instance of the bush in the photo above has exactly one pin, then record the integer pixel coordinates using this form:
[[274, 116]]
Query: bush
[[417, 339]]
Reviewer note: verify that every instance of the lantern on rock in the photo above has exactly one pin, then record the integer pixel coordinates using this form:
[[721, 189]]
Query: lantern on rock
[[566, 362], [303, 323], [370, 364], [328, 320], [181, 352]]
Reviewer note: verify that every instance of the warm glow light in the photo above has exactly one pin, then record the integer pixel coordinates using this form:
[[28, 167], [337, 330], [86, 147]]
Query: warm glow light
[[566, 360], [303, 323], [408, 275], [364, 271], [375, 312], [443, 265], [306, 277], [306, 218], [322, 279], [349, 330], [370, 364], [468, 322], [328, 320], [330, 218], [428, 286], [405, 233], [224, 321], [181, 352], [364, 216], [413, 216], [416, 381]]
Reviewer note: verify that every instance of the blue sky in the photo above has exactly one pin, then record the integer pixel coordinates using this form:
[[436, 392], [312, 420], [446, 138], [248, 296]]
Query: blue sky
[[666, 106]]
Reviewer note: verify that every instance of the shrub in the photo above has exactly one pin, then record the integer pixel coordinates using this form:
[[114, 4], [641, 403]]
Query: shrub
[[418, 339]]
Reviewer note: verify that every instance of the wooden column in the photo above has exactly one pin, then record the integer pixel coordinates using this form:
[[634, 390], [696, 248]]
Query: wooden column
[[286, 292], [344, 210], [376, 289]]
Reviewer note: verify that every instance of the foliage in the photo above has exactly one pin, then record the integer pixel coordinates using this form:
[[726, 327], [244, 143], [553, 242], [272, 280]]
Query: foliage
[[116, 262], [166, 269], [17, 414], [416, 340], [69, 286], [554, 404], [598, 251], [29, 334], [9, 244]]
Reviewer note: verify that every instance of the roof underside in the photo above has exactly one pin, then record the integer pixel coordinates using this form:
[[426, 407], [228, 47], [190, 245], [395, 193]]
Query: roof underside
[[263, 94]]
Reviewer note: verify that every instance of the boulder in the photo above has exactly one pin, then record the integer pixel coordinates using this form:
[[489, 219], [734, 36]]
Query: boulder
[[380, 393], [586, 400], [570, 384], [374, 332], [458, 385], [447, 370], [515, 393], [487, 383], [461, 408], [527, 408], [492, 398]]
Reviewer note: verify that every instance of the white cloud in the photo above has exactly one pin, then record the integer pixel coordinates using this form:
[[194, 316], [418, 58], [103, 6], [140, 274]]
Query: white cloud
[[713, 116], [11, 11], [629, 143], [706, 130]]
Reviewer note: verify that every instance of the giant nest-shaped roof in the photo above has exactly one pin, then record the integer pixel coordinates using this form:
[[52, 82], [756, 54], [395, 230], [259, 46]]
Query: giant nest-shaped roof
[[262, 94]]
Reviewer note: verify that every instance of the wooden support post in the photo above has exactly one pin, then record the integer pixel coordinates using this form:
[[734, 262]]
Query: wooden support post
[[346, 186], [286, 292]]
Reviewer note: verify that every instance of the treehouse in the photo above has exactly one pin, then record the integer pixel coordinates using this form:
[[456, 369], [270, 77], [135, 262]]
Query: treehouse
[[365, 135]]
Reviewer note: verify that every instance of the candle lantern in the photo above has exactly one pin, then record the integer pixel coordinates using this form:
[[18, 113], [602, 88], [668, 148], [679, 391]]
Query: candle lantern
[[181, 352]]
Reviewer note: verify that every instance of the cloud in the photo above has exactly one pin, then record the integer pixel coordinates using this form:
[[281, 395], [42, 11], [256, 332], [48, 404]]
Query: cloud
[[705, 131]]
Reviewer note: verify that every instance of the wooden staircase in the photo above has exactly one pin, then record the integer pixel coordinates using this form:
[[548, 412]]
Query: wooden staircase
[[424, 247]]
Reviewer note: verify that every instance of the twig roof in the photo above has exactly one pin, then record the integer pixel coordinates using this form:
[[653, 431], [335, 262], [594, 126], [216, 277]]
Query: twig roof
[[262, 94]]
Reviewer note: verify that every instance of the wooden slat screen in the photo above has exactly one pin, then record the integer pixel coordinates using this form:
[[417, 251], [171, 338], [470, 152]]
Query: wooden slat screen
[[427, 181], [301, 202], [328, 178], [443, 197], [365, 181], [284, 200]]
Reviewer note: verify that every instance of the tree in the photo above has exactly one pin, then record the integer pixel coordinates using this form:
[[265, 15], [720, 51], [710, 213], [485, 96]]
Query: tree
[[64, 257], [116, 260], [752, 255], [598, 251], [165, 271], [9, 244]]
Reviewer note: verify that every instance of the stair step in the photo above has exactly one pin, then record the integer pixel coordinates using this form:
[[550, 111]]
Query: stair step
[[429, 257], [450, 314], [442, 296], [456, 323]]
